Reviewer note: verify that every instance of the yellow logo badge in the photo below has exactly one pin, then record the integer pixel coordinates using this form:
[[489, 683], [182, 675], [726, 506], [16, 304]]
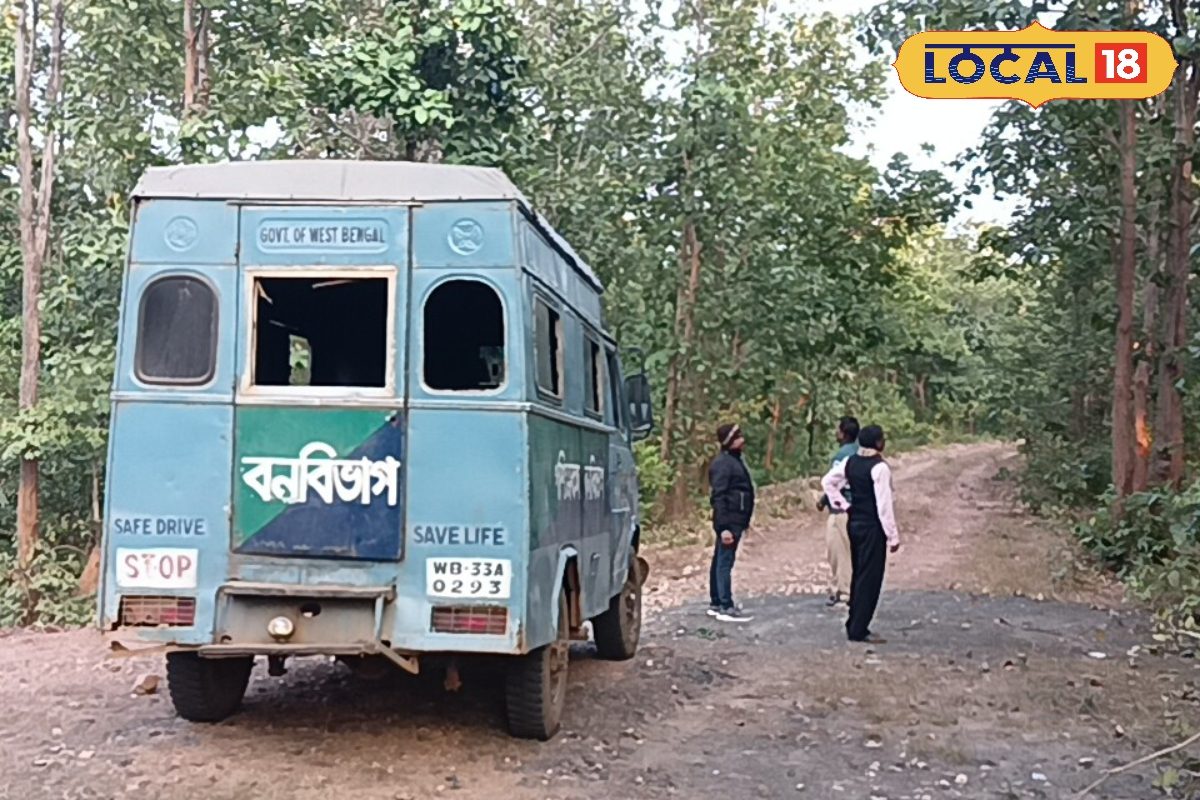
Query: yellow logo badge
[[1035, 65]]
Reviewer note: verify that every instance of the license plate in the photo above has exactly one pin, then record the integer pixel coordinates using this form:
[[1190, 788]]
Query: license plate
[[489, 578], [157, 567]]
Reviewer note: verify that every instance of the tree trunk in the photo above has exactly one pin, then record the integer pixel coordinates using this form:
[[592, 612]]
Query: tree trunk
[[789, 439], [1145, 366], [772, 435], [1078, 425], [810, 425], [1169, 432], [685, 308], [89, 579], [34, 219], [1123, 453], [190, 56], [203, 81]]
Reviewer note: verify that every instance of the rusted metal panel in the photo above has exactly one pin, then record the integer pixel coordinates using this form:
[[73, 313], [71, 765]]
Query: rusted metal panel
[[310, 590]]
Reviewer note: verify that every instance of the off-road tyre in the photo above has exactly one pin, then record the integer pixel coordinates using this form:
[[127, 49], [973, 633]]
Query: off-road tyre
[[618, 630], [206, 689], [536, 685]]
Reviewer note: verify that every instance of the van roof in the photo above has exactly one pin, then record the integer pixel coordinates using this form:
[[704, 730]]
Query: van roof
[[340, 181], [328, 179]]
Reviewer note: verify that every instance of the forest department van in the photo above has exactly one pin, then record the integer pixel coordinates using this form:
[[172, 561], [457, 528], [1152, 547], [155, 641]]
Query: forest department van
[[368, 410]]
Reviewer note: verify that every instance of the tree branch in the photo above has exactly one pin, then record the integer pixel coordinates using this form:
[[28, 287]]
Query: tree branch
[[594, 44], [1143, 760]]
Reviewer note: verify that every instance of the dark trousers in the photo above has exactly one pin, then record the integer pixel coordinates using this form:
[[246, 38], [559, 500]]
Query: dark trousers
[[868, 557], [720, 573]]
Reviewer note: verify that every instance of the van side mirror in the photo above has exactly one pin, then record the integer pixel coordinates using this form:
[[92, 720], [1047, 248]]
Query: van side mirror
[[641, 410]]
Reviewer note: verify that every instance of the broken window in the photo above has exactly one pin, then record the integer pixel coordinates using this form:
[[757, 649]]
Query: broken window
[[594, 362], [177, 332], [300, 362], [548, 348], [464, 338], [321, 331]]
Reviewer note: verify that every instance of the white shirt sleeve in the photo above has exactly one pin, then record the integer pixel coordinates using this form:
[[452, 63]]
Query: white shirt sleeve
[[881, 475], [833, 483]]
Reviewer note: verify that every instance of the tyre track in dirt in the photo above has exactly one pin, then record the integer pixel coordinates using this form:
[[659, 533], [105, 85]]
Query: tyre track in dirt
[[983, 691]]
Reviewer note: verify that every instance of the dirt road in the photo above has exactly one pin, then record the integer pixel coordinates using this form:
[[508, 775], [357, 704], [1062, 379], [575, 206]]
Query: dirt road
[[1010, 673]]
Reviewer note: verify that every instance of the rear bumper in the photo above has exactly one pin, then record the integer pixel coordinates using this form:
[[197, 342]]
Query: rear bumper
[[325, 619]]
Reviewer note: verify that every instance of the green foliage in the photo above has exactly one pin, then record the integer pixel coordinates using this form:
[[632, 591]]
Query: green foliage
[[390, 81], [654, 474], [1063, 473], [55, 578], [1153, 547]]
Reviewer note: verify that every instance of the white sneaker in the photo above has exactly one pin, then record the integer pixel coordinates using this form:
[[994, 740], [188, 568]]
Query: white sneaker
[[733, 615], [713, 611]]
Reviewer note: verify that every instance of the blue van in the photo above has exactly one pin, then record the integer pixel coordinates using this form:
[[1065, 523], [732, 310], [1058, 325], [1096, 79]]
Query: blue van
[[368, 410]]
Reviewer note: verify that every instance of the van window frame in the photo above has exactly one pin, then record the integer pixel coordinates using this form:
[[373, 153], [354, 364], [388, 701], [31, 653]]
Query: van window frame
[[543, 393], [250, 275], [616, 391], [150, 382], [420, 320], [592, 340]]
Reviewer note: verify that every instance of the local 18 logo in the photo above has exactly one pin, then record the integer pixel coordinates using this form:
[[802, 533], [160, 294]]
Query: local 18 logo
[[1035, 65]]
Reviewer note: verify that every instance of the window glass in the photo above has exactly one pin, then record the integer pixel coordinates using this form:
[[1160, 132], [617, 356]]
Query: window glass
[[177, 332]]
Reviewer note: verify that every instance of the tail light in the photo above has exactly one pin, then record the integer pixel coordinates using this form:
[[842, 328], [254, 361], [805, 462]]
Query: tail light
[[487, 620], [154, 610]]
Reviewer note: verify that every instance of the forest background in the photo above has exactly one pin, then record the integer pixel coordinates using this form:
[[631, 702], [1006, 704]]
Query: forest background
[[699, 154]]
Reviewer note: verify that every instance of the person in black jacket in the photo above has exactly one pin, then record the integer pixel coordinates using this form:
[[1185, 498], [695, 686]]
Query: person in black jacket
[[732, 506]]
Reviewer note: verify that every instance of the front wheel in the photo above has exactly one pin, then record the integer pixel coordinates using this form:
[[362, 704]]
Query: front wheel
[[206, 689], [619, 628], [536, 685]]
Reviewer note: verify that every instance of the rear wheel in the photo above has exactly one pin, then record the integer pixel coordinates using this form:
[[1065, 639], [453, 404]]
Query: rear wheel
[[536, 684], [206, 689], [619, 629]]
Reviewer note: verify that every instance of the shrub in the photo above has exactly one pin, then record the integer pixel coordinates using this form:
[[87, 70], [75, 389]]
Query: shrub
[[55, 578], [1153, 548], [654, 474]]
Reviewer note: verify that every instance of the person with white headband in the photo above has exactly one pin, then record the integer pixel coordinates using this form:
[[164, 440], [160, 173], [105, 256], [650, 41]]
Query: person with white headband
[[732, 501], [837, 537]]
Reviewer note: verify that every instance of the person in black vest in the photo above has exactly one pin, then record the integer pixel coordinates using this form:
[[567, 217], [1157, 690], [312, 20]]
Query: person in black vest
[[872, 526], [732, 506]]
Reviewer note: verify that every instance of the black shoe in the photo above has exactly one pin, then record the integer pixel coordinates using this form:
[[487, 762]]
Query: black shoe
[[871, 638]]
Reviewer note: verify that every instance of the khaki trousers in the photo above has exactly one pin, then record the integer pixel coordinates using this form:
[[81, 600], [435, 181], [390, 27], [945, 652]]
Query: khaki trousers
[[837, 551]]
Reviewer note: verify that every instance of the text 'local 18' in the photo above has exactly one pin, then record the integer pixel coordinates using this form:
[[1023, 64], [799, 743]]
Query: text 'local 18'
[[1035, 65]]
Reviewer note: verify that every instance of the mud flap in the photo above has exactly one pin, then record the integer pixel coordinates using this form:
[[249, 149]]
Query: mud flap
[[643, 570]]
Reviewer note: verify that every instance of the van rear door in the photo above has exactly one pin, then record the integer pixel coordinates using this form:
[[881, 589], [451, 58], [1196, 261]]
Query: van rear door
[[319, 412]]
